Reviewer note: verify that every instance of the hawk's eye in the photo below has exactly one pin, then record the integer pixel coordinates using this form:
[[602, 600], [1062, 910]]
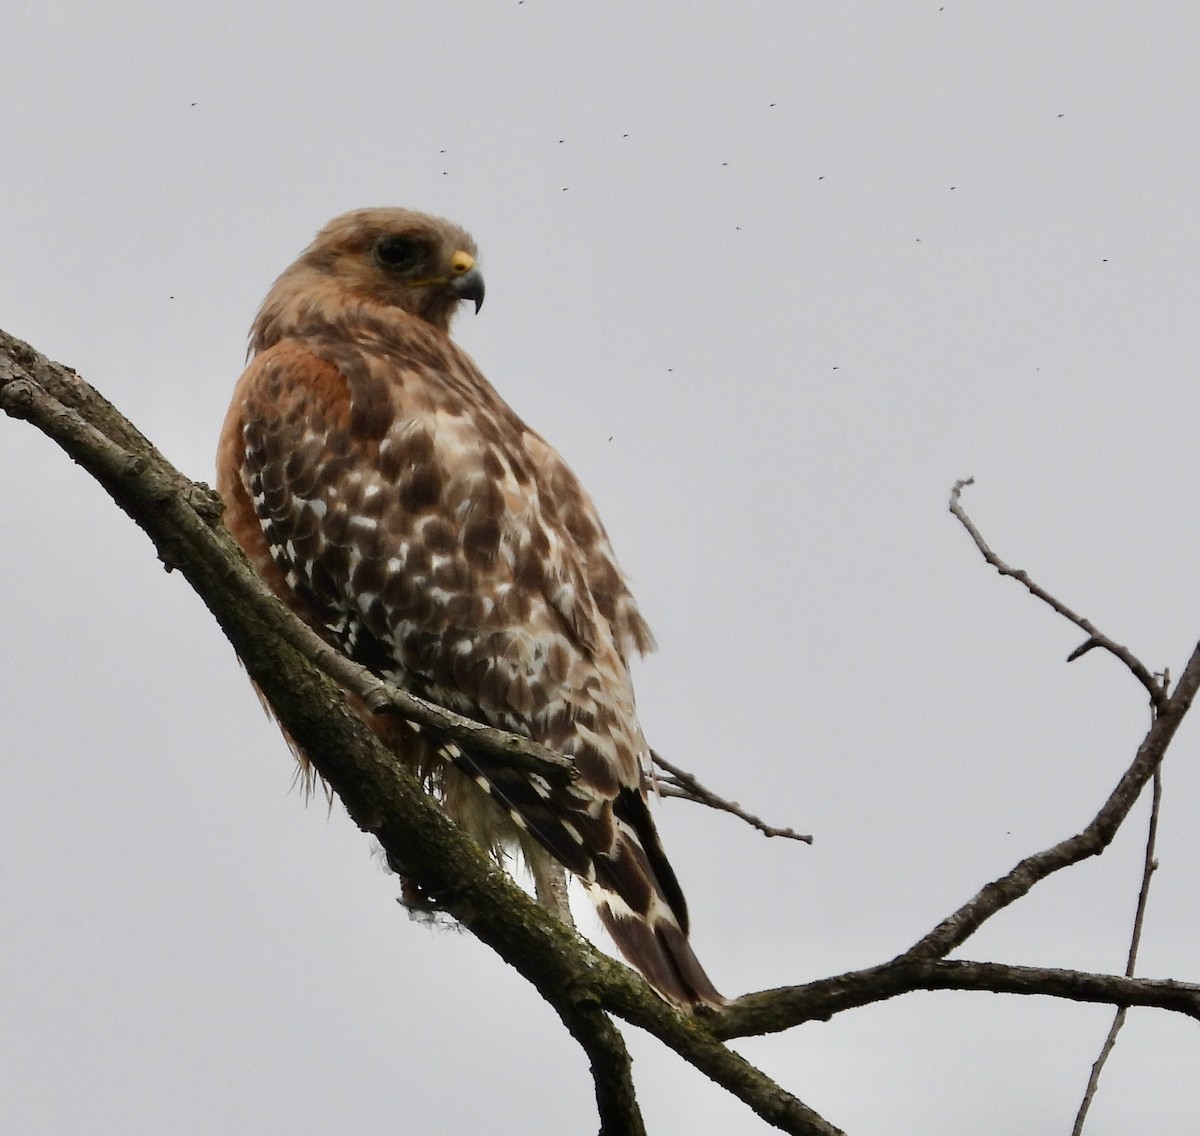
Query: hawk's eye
[[398, 253]]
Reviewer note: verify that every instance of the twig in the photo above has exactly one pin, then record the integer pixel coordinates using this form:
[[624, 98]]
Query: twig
[[680, 783], [1095, 637], [1149, 866]]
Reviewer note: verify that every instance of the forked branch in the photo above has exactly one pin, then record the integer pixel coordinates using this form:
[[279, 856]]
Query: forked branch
[[1095, 637], [1169, 711]]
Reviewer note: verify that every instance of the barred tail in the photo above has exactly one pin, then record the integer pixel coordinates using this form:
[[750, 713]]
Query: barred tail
[[616, 853], [640, 902], [658, 948]]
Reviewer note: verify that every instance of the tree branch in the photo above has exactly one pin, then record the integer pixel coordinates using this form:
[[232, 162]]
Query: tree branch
[[993, 897], [773, 1011], [612, 1068], [280, 653]]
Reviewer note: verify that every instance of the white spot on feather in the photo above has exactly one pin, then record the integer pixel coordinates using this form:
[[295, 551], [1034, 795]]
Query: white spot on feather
[[518, 819], [659, 912], [572, 832]]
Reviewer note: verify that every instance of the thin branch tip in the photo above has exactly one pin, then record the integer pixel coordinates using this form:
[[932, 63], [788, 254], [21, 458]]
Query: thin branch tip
[[1095, 637], [1083, 649], [679, 783]]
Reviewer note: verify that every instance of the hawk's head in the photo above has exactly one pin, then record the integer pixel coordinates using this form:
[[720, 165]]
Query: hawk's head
[[393, 257]]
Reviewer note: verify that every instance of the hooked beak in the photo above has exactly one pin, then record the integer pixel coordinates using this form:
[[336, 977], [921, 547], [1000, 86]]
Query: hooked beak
[[469, 286]]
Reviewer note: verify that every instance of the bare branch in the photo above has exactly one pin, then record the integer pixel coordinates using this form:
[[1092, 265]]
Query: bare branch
[[772, 1011], [1095, 637], [697, 1039], [1149, 866], [612, 1068], [1106, 1049], [998, 894], [680, 783], [513, 749], [1169, 710]]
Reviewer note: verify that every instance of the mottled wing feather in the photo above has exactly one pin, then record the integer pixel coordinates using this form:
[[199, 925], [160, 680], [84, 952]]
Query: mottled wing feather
[[429, 556], [423, 539], [605, 580]]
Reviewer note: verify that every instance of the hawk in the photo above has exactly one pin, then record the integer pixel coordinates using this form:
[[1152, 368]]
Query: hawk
[[391, 498]]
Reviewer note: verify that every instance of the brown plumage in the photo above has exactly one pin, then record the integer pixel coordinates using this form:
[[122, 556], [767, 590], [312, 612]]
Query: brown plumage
[[395, 501]]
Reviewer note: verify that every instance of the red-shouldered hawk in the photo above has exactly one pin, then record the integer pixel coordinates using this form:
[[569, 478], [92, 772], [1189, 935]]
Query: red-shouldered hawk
[[389, 495]]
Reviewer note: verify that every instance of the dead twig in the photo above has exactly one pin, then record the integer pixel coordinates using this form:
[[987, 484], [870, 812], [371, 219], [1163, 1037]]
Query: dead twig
[[1168, 712], [1149, 866], [1095, 637], [679, 783]]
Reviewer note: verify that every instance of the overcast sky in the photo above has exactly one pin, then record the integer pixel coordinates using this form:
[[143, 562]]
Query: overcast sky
[[771, 276]]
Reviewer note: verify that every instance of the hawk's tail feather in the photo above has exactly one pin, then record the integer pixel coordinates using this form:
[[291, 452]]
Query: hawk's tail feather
[[529, 801], [633, 885], [641, 904], [658, 948]]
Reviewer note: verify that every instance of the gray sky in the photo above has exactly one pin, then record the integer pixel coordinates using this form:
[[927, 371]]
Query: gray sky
[[771, 276]]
